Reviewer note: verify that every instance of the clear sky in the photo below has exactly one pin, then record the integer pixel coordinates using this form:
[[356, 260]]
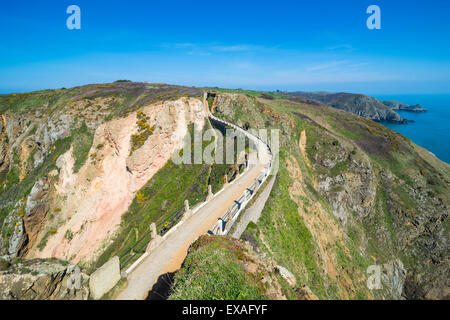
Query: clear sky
[[267, 45]]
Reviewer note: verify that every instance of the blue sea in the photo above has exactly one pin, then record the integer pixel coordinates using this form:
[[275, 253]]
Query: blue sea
[[431, 129]]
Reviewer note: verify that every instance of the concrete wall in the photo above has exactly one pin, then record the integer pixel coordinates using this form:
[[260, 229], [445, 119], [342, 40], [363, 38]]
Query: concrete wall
[[104, 278]]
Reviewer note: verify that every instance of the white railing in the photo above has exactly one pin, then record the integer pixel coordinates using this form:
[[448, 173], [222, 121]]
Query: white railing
[[233, 213], [230, 217]]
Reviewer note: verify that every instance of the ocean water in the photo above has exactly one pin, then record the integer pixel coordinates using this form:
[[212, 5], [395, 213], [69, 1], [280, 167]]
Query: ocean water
[[431, 129]]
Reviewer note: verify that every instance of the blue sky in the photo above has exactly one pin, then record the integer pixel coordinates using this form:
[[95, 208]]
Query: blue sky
[[285, 45]]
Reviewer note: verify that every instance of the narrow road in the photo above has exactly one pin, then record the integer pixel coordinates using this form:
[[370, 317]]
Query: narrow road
[[254, 212], [169, 256]]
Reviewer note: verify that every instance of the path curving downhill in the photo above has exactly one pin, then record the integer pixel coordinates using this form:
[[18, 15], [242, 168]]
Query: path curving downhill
[[170, 254]]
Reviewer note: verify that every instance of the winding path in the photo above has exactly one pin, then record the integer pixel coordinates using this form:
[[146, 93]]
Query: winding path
[[170, 254]]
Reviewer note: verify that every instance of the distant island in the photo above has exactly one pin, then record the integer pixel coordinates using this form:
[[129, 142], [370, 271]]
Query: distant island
[[397, 105]]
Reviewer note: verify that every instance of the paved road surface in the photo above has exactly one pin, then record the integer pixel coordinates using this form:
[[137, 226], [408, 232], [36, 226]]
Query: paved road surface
[[254, 212], [169, 256]]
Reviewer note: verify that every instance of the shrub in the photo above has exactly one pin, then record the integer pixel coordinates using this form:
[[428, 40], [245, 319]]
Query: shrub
[[144, 131], [68, 235]]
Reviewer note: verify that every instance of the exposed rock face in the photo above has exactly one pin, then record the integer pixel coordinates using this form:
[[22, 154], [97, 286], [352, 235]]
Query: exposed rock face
[[359, 104], [36, 210], [351, 190], [13, 239], [393, 278], [347, 178], [96, 197], [23, 224], [352, 195], [305, 293], [56, 205], [287, 275], [41, 280], [362, 191], [3, 143]]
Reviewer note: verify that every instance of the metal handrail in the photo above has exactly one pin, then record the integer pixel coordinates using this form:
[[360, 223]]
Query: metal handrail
[[166, 225], [177, 215], [253, 187]]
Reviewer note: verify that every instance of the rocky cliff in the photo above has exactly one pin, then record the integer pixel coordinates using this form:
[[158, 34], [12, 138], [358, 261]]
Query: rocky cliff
[[362, 105], [74, 159], [397, 105], [39, 279], [349, 194], [84, 171]]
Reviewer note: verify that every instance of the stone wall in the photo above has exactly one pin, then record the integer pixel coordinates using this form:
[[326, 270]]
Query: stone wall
[[104, 278]]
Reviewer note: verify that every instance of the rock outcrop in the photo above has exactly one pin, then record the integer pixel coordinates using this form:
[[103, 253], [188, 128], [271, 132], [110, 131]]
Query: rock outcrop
[[397, 105], [349, 193], [96, 197], [72, 160], [362, 195], [14, 238], [41, 280]]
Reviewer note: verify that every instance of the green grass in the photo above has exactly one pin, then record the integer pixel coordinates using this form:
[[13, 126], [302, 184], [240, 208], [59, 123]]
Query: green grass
[[164, 194], [241, 91], [286, 233], [339, 168], [12, 177], [16, 190], [348, 134], [216, 272], [81, 146], [252, 93], [161, 197]]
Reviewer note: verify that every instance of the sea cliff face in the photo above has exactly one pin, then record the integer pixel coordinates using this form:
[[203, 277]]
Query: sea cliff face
[[362, 105], [349, 194], [71, 166]]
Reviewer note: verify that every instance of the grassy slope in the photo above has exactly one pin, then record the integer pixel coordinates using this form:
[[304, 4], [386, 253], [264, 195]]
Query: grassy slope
[[284, 231], [161, 197], [283, 234], [51, 102], [214, 270]]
